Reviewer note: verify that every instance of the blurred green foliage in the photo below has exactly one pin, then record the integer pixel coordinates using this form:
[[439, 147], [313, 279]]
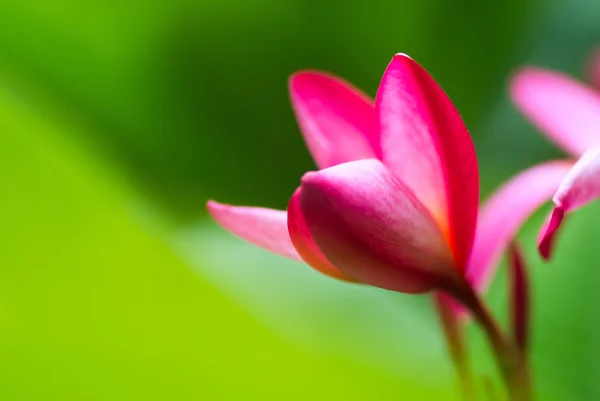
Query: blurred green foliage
[[192, 95], [95, 306], [119, 119]]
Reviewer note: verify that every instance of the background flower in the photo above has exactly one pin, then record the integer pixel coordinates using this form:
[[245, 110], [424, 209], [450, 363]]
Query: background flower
[[568, 112]]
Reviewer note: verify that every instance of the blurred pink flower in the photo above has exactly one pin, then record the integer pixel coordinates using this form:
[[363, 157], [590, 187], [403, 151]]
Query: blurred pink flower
[[568, 112], [395, 202]]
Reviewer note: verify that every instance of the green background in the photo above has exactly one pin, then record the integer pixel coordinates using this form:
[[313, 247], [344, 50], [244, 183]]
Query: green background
[[119, 119]]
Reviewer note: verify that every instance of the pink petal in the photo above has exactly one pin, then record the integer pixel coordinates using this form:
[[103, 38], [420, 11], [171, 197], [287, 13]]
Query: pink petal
[[426, 144], [372, 228], [505, 212], [306, 245], [549, 232], [579, 187], [503, 215], [337, 121], [562, 108], [266, 228]]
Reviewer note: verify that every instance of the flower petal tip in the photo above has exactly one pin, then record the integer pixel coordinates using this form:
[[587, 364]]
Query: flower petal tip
[[305, 76], [336, 119], [309, 177], [419, 125], [549, 232], [563, 108], [522, 79], [265, 228], [213, 207], [403, 56]]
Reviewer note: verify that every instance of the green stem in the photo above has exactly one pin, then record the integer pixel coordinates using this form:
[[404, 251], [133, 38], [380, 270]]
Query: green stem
[[465, 379]]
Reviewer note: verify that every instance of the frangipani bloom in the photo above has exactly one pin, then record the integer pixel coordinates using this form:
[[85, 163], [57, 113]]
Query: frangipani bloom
[[568, 112], [396, 199]]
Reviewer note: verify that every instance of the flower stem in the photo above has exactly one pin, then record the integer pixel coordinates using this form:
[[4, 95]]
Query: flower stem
[[453, 332], [511, 363]]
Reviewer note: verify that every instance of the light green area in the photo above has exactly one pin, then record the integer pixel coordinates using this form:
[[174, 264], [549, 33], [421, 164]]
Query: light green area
[[95, 306]]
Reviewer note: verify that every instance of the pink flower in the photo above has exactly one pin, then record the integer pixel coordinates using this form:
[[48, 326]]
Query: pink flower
[[395, 202], [568, 112]]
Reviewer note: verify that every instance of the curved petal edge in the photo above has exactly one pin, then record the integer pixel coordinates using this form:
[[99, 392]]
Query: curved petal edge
[[305, 245], [428, 147], [565, 110], [504, 213], [371, 227], [337, 121], [580, 187], [549, 233], [266, 228]]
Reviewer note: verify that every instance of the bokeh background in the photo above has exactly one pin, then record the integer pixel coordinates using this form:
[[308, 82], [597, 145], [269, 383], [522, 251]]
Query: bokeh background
[[119, 119]]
